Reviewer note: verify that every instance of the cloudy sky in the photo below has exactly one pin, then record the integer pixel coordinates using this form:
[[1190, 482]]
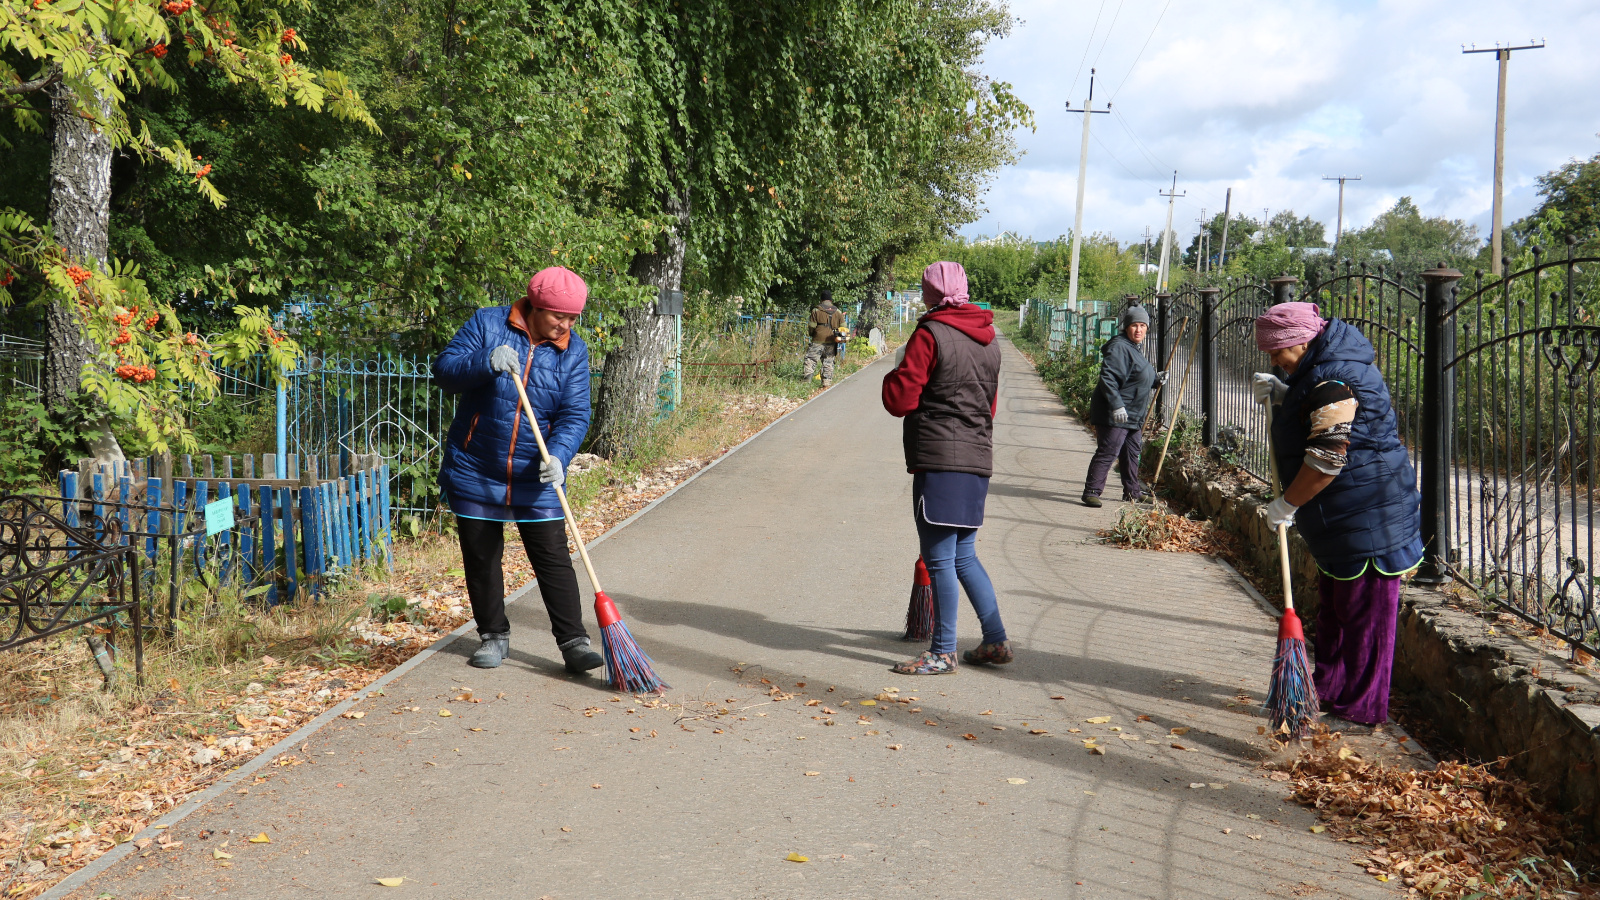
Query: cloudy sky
[[1268, 96]]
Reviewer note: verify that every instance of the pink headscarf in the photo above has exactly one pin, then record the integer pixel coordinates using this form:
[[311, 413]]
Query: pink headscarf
[[944, 284], [1288, 324], [558, 290]]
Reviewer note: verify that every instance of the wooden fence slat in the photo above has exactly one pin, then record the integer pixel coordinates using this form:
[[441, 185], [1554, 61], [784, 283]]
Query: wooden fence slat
[[290, 561], [249, 571]]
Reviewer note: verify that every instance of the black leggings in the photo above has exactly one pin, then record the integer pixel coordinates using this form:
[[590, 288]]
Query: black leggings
[[482, 548]]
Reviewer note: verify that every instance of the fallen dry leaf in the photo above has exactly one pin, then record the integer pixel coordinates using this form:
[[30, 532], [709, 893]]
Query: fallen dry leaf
[[869, 703], [1181, 729], [354, 714], [1098, 720], [970, 737], [1097, 750], [894, 746], [1058, 697], [813, 773], [445, 713], [243, 720], [1016, 781], [929, 722], [795, 857], [218, 854], [595, 786], [261, 839], [1037, 731], [392, 882]]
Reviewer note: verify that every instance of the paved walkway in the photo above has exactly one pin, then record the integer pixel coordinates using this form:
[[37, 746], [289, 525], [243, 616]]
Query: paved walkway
[[791, 562]]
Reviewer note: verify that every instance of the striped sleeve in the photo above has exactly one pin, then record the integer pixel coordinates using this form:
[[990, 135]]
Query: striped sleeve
[[1332, 406]]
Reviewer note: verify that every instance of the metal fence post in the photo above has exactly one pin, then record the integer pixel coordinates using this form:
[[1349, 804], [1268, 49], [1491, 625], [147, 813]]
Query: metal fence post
[[1283, 288], [1208, 365], [1438, 409], [1163, 342]]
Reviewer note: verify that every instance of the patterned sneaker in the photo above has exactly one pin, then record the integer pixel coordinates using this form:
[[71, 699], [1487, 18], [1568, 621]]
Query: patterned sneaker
[[929, 663], [989, 654]]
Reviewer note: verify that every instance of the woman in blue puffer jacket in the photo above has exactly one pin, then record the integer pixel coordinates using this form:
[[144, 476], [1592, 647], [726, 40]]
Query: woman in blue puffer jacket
[[1350, 490], [492, 472]]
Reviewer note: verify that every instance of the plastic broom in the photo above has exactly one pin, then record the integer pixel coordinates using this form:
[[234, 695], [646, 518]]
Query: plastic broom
[[627, 667], [1292, 705], [919, 615]]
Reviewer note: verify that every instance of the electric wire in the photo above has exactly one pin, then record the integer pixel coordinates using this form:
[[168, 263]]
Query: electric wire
[[1141, 51], [1110, 28], [1149, 156], [1087, 46]]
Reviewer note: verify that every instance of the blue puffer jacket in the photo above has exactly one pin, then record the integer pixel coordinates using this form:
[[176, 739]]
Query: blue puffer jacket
[[1372, 506], [489, 455]]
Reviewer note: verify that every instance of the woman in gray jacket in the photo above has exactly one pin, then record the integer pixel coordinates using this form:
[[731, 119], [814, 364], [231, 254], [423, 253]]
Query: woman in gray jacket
[[1118, 406]]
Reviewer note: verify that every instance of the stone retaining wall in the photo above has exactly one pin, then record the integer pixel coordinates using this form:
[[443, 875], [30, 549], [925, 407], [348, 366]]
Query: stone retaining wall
[[1491, 692]]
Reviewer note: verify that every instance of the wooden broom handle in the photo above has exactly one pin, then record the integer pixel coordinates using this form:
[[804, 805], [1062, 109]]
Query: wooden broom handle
[[1183, 326], [1283, 528], [566, 509], [1176, 407]]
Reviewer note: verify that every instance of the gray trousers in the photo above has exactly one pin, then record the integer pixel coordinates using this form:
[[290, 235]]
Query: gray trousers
[[1114, 445]]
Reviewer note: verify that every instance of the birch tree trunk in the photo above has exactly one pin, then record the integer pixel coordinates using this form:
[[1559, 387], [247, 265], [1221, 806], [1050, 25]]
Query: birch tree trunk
[[80, 215], [632, 372]]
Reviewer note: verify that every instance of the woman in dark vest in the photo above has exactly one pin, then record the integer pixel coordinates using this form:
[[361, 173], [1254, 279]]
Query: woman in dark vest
[[1351, 492], [1117, 408], [945, 386]]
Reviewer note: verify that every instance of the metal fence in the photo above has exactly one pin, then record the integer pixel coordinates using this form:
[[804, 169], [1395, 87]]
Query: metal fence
[[1493, 386]]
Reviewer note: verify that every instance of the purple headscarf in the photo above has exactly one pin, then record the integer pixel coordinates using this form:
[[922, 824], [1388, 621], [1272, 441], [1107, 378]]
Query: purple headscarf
[[944, 284], [1288, 324]]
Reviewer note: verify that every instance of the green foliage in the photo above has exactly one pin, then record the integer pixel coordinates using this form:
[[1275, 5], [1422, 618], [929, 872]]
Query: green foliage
[[1573, 191], [1008, 270], [28, 436], [1414, 242]]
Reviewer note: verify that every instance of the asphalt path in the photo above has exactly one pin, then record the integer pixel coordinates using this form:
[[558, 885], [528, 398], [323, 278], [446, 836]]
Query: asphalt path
[[771, 592]]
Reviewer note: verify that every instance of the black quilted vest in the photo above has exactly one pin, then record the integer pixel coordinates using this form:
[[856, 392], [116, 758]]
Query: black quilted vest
[[953, 427]]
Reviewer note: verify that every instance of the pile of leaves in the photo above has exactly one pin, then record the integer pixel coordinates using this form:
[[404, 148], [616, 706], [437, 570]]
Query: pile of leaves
[[1159, 528], [1457, 831]]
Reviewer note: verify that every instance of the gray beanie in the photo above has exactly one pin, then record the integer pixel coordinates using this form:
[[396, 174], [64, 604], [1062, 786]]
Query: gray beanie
[[1134, 315]]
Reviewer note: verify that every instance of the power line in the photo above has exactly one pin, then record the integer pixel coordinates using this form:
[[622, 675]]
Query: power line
[[1160, 166], [1109, 28], [1141, 51], [1087, 46]]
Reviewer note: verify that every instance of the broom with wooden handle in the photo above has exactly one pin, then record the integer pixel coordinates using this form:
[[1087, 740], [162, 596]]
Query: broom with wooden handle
[[1155, 398], [1292, 704], [1176, 407], [627, 667]]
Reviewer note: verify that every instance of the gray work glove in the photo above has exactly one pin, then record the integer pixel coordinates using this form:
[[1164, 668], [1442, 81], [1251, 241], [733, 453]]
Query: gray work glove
[[552, 472], [1280, 512], [504, 359], [1120, 415], [1161, 378], [1269, 388]]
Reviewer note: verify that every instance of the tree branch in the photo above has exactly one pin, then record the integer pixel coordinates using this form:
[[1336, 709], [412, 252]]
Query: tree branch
[[38, 84]]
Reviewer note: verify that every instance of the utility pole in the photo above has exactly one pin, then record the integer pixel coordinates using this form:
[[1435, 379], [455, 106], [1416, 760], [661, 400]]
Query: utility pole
[[1146, 262], [1083, 174], [1200, 244], [1503, 56], [1166, 237], [1338, 227], [1227, 210]]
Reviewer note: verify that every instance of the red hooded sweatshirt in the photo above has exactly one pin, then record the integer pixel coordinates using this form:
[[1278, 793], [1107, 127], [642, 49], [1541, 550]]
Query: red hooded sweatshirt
[[902, 387]]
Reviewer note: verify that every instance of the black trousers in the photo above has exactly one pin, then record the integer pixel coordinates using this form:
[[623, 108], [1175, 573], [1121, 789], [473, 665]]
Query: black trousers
[[482, 550]]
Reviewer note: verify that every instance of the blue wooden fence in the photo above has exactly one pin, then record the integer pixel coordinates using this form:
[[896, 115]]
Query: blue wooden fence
[[290, 533]]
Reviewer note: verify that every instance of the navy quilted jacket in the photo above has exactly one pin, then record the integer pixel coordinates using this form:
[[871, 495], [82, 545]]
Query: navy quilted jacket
[[489, 455], [1372, 506]]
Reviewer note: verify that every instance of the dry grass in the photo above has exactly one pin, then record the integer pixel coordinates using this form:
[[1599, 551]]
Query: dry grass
[[83, 768], [1158, 528]]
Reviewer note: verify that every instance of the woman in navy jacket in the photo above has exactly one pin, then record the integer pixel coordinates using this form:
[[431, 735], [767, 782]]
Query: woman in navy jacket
[[492, 472], [1350, 490]]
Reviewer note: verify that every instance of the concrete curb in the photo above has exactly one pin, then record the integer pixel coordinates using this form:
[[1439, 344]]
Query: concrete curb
[[111, 857]]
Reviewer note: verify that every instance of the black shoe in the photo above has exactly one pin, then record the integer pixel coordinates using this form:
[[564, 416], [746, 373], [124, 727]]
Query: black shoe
[[494, 650], [1091, 500], [580, 656]]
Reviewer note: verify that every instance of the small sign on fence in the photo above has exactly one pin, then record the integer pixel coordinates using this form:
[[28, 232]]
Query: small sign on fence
[[219, 516]]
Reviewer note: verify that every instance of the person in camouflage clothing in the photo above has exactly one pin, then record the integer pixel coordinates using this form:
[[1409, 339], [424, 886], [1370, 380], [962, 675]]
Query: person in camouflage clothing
[[827, 332]]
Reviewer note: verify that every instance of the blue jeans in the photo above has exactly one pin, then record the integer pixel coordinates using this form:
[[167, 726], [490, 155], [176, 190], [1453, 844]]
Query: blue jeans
[[951, 556]]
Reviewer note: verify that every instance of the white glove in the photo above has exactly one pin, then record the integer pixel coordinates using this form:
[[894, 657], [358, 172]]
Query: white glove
[[1161, 377], [1280, 512], [1120, 415], [1269, 388], [504, 359], [552, 472]]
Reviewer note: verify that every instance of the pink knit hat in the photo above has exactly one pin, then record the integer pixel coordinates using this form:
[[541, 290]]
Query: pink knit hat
[[558, 290], [1288, 324], [944, 284]]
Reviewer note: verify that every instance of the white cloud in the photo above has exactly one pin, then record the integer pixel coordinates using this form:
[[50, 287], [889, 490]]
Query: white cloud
[[1267, 97]]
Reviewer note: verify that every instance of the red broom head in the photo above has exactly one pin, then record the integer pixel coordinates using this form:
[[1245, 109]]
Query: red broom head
[[920, 576], [605, 610], [1289, 628]]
